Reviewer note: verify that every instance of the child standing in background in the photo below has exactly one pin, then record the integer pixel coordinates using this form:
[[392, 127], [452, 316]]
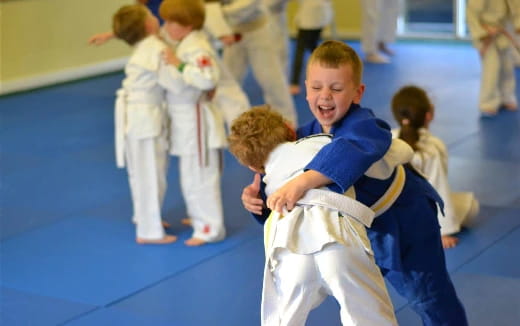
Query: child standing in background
[[196, 130], [320, 247], [140, 118], [312, 16], [488, 21], [413, 112]]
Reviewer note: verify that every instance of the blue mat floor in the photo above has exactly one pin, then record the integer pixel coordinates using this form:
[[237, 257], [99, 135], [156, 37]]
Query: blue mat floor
[[67, 250]]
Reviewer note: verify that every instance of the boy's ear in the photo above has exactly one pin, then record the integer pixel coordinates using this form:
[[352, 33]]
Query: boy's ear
[[359, 93]]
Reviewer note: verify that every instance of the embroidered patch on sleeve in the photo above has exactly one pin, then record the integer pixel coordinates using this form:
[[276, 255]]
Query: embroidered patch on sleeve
[[204, 62]]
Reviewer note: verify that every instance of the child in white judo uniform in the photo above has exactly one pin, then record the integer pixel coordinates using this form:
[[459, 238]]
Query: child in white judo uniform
[[488, 22], [196, 128], [141, 121], [230, 98], [413, 111], [256, 49], [320, 247]]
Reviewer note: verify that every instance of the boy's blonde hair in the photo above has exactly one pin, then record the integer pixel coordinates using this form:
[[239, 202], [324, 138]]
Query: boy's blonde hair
[[255, 133], [184, 12], [129, 23], [333, 54]]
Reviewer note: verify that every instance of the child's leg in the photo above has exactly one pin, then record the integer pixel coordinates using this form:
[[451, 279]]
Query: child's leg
[[298, 288], [426, 284], [369, 29], [267, 70], [146, 164], [354, 279], [507, 83], [235, 59], [489, 97], [201, 190], [307, 39]]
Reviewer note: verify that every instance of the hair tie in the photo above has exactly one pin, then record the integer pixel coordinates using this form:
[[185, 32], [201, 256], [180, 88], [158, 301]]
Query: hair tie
[[405, 122]]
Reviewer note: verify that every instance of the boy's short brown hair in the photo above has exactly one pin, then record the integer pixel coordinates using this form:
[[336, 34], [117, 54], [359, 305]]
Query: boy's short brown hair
[[255, 133], [333, 54], [184, 12], [129, 23]]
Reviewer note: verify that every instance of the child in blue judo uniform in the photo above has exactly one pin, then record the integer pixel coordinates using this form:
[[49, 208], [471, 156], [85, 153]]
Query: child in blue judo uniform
[[405, 237]]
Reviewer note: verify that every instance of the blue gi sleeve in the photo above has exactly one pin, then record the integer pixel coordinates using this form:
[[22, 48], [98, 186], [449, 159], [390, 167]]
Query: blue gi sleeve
[[360, 139]]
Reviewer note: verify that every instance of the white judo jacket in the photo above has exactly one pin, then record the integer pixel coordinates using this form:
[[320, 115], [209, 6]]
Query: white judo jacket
[[140, 110], [431, 159], [195, 125], [498, 13]]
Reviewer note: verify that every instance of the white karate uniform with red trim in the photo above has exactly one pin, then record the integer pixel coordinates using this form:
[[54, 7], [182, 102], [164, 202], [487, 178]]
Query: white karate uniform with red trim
[[197, 134]]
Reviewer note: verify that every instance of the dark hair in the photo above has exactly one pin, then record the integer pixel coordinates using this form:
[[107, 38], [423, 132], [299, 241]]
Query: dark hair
[[410, 106]]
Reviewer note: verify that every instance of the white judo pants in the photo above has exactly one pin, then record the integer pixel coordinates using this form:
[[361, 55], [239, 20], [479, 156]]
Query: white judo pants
[[347, 273], [497, 80], [147, 164], [379, 23], [230, 98], [257, 49], [281, 38], [200, 187]]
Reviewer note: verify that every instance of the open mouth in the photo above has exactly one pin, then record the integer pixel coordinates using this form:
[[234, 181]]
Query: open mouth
[[326, 110]]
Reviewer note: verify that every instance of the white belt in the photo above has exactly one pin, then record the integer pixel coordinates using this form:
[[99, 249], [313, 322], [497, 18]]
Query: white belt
[[120, 125], [342, 203]]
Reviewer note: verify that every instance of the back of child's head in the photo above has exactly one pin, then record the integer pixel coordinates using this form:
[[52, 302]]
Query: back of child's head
[[333, 54], [255, 133], [411, 107], [184, 12], [129, 23]]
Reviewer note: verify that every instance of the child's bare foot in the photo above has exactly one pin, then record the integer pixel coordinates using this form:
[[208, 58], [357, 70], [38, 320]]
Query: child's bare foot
[[194, 242], [165, 240], [165, 224], [186, 221], [511, 106], [449, 241]]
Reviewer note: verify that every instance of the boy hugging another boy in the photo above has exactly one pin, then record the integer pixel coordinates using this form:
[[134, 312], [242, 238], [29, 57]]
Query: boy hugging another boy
[[321, 246]]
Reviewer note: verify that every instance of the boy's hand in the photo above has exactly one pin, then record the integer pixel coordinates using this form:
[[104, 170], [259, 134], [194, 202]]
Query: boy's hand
[[227, 39], [286, 196], [169, 57], [210, 95], [101, 38], [492, 30], [292, 191], [251, 197]]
